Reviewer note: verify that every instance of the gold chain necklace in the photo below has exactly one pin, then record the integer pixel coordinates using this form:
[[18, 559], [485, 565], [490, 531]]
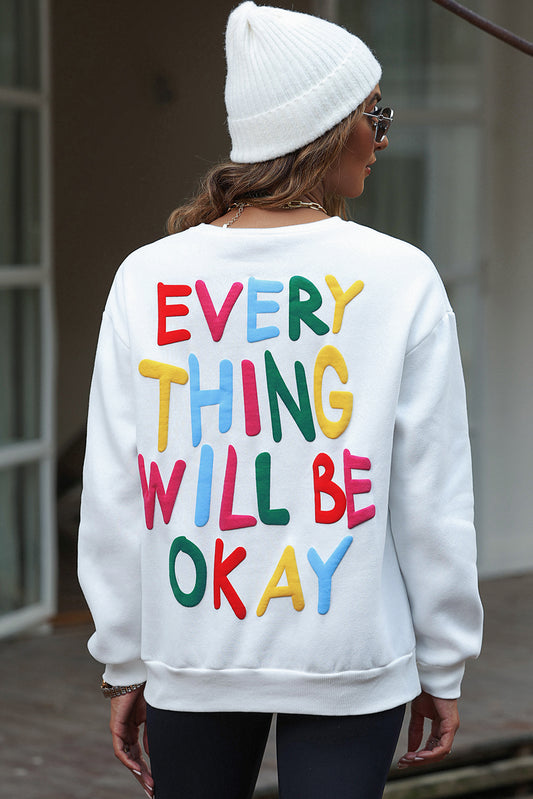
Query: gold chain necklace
[[292, 204]]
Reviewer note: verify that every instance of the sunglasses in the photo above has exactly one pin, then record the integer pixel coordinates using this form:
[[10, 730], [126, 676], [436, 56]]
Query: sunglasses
[[381, 120]]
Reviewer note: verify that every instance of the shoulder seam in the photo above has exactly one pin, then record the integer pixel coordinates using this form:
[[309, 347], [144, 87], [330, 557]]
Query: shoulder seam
[[108, 314], [435, 326]]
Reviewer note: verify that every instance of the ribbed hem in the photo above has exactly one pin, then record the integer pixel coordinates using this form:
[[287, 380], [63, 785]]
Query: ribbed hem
[[282, 690]]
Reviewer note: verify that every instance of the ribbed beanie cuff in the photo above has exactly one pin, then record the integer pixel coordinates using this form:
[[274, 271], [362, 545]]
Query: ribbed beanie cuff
[[291, 77]]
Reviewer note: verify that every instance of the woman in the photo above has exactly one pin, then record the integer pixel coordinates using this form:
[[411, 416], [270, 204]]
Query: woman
[[277, 507]]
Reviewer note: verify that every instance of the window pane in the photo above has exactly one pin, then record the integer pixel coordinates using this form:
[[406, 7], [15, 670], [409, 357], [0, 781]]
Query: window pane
[[20, 357], [430, 57], [19, 187], [20, 571], [425, 189], [395, 175], [19, 43]]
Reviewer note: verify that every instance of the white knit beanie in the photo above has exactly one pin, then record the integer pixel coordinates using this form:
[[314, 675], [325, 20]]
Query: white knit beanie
[[291, 77]]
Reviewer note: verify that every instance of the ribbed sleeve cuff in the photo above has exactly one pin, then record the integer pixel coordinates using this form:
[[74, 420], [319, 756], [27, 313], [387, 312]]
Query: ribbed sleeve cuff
[[125, 673], [441, 681]]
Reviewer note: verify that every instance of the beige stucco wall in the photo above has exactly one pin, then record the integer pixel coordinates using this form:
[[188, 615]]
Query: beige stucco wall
[[506, 468], [138, 116]]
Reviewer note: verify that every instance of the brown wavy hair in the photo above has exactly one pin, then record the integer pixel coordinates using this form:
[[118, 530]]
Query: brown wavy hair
[[268, 184]]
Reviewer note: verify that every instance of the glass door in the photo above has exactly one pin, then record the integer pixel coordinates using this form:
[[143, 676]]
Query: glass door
[[27, 538], [427, 187]]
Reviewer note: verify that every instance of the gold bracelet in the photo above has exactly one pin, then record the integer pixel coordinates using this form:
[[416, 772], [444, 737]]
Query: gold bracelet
[[110, 691]]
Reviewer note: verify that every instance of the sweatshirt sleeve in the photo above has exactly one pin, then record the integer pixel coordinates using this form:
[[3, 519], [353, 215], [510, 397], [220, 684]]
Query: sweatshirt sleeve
[[431, 510], [109, 538]]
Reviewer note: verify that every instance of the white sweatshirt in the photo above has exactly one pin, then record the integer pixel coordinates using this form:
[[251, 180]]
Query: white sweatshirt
[[277, 502]]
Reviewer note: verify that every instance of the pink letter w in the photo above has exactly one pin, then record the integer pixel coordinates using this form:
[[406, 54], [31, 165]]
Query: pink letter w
[[167, 498]]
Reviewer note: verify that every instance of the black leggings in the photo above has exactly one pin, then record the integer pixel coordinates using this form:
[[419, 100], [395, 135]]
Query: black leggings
[[218, 755]]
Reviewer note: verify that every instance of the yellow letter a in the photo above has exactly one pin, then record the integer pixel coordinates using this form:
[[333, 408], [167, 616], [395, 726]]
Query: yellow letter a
[[293, 588]]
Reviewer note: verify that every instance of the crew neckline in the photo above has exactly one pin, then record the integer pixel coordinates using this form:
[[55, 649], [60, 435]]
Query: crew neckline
[[280, 230]]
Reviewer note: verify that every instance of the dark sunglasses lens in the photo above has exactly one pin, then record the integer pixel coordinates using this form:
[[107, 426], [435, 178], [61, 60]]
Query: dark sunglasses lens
[[381, 130], [383, 124]]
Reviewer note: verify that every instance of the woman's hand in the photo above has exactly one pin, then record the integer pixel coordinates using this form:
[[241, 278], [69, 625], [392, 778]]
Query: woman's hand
[[128, 712], [444, 724]]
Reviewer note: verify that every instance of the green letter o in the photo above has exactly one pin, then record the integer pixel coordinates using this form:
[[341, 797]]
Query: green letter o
[[183, 544]]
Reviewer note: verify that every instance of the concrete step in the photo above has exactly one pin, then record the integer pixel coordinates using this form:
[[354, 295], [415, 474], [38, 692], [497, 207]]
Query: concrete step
[[497, 773], [464, 781]]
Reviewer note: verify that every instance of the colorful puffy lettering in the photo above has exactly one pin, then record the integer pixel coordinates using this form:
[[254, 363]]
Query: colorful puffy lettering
[[276, 387], [229, 520], [166, 374], [257, 306], [303, 310], [164, 311], [330, 356], [267, 514], [154, 487], [203, 490], [293, 588], [221, 569], [217, 322], [323, 484], [194, 597], [359, 486], [282, 387], [325, 571], [342, 298], [199, 398], [251, 404]]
